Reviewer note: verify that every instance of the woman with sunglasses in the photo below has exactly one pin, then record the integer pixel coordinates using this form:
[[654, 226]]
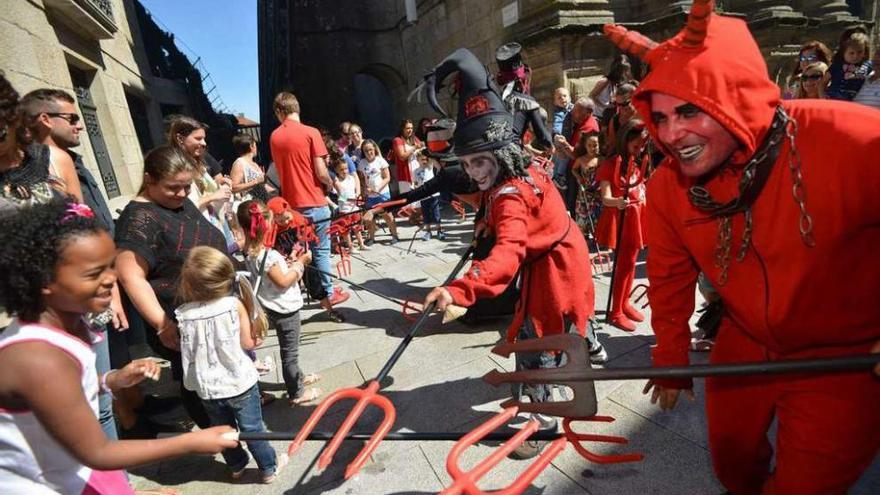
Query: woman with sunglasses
[[810, 52], [812, 81]]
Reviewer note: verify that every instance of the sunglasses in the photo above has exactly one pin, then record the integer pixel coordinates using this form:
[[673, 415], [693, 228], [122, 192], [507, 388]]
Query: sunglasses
[[808, 58], [623, 103], [4, 131], [812, 77], [71, 118]]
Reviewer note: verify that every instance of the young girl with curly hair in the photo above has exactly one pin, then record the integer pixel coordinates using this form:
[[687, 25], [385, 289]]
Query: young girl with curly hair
[[56, 265]]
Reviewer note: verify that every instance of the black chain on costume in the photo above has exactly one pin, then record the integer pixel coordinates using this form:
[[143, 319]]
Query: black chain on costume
[[754, 177]]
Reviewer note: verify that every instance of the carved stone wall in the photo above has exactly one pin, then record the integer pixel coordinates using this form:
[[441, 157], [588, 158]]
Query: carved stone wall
[[328, 43]]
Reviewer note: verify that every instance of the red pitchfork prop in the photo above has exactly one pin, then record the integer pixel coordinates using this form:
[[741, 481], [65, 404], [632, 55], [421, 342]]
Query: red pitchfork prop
[[365, 397], [578, 375], [466, 481]]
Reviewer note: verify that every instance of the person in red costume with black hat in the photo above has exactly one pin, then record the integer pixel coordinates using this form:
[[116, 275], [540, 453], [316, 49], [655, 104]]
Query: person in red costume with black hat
[[534, 238], [621, 225], [772, 201]]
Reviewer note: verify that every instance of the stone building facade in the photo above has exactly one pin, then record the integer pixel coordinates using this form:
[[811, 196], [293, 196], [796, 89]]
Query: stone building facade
[[359, 59], [117, 63]]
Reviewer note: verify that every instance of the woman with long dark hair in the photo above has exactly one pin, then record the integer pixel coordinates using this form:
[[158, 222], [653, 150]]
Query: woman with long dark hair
[[620, 71], [622, 191]]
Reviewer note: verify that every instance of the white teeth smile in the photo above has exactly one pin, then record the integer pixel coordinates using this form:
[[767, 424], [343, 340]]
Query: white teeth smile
[[690, 152]]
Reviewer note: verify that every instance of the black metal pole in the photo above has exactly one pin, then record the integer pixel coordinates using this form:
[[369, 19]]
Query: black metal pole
[[816, 365], [424, 316], [621, 218], [450, 436]]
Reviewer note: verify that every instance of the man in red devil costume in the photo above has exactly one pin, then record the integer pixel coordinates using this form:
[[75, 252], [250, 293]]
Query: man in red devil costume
[[535, 241], [773, 201]]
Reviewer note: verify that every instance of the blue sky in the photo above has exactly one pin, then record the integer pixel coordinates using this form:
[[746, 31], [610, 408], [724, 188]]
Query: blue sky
[[224, 34]]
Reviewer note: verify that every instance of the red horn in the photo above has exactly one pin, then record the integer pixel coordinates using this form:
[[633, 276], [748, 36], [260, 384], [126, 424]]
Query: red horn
[[698, 22], [632, 42]]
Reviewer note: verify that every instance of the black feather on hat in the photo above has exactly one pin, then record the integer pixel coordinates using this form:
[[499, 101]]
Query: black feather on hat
[[483, 122]]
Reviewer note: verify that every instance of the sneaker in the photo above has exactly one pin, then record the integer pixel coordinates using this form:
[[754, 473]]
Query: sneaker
[[528, 449], [368, 243], [441, 236], [281, 460], [598, 355], [393, 241], [338, 297], [426, 236]]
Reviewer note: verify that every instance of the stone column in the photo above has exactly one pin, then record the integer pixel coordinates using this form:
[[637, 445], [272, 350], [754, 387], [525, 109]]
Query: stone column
[[825, 8], [758, 10]]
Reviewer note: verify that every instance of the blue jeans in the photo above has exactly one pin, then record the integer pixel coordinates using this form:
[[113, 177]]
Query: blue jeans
[[105, 402], [244, 413], [540, 392], [321, 250]]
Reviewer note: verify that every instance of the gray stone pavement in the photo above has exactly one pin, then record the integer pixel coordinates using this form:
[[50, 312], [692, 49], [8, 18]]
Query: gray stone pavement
[[436, 386]]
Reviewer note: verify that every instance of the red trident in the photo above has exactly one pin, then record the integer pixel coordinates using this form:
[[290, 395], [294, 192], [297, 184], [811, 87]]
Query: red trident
[[601, 263], [465, 482], [457, 206], [577, 440], [366, 396], [343, 267]]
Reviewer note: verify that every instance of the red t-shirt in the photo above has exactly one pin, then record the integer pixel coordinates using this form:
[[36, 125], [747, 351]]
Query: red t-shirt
[[404, 174], [294, 147], [589, 125]]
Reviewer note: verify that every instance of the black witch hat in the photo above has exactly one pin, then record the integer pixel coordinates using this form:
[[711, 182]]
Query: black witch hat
[[509, 56], [483, 122]]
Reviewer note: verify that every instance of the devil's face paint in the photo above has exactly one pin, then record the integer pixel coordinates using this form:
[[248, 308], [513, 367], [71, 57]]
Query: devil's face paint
[[695, 139]]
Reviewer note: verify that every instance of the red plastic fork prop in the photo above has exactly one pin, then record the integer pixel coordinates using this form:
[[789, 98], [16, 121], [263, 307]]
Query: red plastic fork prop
[[365, 397], [465, 482], [457, 206], [577, 439], [343, 266], [601, 263]]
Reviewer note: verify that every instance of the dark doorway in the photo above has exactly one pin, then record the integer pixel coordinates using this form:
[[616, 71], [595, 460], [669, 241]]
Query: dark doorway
[[138, 111], [82, 82], [374, 107]]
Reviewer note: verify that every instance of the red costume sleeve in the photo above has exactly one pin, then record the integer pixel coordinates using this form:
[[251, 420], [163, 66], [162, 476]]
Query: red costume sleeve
[[489, 277], [672, 273]]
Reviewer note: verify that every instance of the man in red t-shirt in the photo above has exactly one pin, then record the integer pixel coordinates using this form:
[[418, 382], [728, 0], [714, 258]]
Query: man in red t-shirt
[[299, 155]]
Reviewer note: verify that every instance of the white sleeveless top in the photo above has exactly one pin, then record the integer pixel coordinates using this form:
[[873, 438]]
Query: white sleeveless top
[[214, 364], [347, 194], [31, 460]]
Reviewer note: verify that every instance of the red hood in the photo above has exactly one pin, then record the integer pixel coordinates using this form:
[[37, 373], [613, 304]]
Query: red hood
[[725, 76]]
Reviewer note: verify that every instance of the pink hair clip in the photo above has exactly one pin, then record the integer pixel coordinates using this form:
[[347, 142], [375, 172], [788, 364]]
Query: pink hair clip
[[77, 210]]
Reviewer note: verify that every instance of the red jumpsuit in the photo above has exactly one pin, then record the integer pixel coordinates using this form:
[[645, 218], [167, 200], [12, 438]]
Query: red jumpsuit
[[784, 300], [632, 239], [533, 233]]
